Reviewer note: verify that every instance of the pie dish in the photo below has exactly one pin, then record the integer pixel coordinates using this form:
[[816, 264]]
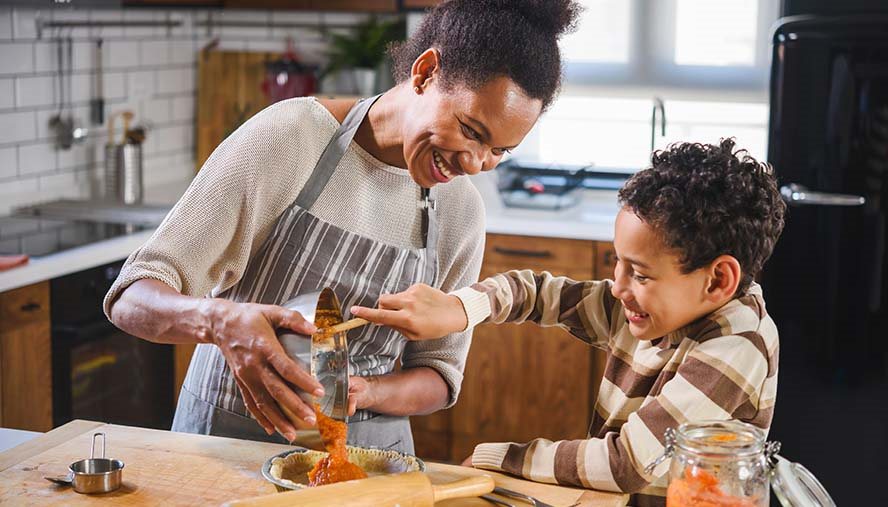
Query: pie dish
[[289, 469]]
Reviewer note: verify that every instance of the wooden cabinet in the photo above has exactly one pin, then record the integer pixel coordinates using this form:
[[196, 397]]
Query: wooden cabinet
[[26, 359], [181, 359], [522, 381]]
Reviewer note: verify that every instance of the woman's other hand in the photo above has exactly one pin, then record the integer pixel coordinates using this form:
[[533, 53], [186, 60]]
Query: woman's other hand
[[419, 313], [245, 333], [360, 393]]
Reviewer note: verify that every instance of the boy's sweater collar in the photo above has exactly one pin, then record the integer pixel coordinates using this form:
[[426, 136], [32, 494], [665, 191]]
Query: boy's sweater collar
[[731, 318]]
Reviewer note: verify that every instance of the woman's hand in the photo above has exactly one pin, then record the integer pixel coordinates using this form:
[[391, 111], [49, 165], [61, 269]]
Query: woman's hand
[[245, 333], [467, 462], [360, 393], [419, 313]]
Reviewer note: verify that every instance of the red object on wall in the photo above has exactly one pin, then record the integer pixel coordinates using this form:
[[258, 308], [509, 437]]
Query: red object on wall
[[288, 77]]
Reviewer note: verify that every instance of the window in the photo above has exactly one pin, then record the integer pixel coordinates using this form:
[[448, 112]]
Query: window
[[614, 134], [603, 36], [701, 44], [708, 59]]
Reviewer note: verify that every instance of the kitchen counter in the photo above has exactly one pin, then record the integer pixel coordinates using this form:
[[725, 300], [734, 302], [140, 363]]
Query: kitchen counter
[[163, 467], [77, 259], [591, 219]]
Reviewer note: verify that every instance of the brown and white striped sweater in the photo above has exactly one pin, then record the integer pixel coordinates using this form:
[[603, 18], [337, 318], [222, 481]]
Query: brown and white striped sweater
[[723, 366]]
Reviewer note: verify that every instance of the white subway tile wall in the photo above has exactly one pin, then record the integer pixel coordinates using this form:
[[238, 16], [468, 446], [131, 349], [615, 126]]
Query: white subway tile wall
[[149, 70]]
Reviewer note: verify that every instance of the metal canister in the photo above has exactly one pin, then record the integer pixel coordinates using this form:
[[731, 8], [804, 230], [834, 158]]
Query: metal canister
[[129, 173], [111, 171]]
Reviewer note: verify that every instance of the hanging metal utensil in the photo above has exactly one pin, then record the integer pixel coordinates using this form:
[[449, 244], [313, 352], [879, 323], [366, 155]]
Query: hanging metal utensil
[[60, 123], [97, 104], [63, 123]]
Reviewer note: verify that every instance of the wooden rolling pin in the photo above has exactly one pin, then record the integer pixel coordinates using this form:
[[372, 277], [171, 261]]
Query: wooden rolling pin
[[412, 489]]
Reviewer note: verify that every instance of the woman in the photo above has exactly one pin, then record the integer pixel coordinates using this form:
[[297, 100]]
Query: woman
[[313, 193]]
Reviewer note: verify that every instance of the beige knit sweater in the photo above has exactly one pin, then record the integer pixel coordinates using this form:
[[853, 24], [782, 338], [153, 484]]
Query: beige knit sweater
[[204, 244]]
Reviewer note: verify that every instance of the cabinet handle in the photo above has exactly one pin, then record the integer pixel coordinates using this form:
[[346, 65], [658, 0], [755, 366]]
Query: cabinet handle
[[609, 258], [30, 307], [538, 254]]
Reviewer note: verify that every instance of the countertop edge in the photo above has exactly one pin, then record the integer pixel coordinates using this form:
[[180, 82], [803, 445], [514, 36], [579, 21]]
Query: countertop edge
[[73, 260]]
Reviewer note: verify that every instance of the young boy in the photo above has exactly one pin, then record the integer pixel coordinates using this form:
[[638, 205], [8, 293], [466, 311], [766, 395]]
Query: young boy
[[683, 322]]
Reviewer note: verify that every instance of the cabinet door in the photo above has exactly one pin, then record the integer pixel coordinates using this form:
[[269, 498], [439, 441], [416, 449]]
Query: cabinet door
[[26, 359], [181, 361], [605, 260]]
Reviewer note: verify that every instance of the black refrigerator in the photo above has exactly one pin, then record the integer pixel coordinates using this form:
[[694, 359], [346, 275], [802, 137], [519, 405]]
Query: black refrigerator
[[826, 285]]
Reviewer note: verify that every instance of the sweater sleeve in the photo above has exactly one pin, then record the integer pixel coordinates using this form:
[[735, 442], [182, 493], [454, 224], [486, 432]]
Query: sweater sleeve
[[206, 239], [582, 308], [719, 379]]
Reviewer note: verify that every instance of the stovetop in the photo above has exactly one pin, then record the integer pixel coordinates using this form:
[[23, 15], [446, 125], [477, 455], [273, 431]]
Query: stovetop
[[527, 184], [37, 237]]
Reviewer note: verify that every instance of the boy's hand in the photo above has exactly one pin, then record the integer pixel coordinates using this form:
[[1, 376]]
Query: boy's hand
[[467, 462], [419, 313]]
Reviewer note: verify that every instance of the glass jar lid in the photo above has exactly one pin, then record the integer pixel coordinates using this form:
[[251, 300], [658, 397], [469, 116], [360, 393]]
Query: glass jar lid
[[795, 486], [720, 438]]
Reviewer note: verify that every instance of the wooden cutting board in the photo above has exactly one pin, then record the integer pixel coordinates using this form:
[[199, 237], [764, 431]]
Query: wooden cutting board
[[166, 468], [229, 92]]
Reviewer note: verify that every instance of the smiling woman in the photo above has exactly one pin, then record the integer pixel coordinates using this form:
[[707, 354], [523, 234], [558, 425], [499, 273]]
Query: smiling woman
[[366, 198]]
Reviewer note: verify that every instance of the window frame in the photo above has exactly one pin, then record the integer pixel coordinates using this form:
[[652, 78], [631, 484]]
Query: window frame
[[651, 54]]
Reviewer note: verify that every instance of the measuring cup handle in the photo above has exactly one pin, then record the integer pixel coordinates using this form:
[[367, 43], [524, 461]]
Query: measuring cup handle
[[92, 452]]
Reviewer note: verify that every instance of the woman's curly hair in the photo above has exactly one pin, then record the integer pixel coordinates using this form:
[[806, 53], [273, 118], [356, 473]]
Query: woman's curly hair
[[483, 39], [707, 200]]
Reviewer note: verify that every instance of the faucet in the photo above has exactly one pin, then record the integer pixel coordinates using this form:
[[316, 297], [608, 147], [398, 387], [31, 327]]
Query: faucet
[[658, 105]]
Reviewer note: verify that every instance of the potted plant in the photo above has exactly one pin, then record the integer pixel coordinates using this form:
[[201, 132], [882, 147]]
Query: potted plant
[[362, 51]]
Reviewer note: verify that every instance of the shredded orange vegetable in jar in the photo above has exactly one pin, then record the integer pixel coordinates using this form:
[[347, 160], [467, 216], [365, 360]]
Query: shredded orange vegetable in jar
[[699, 488]]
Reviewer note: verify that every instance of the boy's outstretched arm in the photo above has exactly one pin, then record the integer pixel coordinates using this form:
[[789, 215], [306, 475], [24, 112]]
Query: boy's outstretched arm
[[585, 309], [720, 378]]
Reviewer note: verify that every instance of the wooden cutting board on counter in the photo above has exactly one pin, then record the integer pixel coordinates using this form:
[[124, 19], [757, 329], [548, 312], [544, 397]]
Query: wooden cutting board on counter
[[166, 468], [229, 92]]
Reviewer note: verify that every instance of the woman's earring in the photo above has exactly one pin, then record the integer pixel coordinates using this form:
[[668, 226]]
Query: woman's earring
[[417, 89]]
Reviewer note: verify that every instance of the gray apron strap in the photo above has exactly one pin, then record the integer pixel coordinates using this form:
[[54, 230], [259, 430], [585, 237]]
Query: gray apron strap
[[333, 153], [430, 230]]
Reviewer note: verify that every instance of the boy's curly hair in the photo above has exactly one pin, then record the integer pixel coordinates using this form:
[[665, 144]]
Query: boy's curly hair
[[707, 200]]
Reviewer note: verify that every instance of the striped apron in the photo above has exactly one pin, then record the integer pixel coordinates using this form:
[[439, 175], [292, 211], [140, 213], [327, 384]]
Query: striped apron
[[304, 254]]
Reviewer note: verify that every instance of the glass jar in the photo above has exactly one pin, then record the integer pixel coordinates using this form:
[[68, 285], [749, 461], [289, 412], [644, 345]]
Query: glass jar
[[718, 464], [729, 464]]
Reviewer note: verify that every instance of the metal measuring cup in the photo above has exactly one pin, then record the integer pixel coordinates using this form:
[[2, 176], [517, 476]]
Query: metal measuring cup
[[93, 475], [311, 355]]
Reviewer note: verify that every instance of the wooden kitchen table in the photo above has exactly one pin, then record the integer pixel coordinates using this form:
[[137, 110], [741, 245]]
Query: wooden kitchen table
[[166, 468]]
